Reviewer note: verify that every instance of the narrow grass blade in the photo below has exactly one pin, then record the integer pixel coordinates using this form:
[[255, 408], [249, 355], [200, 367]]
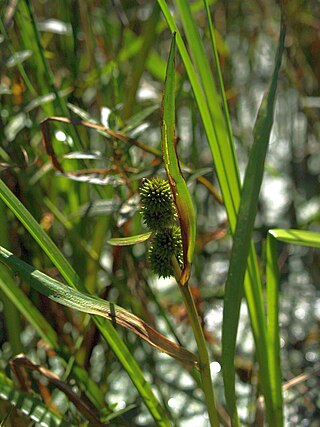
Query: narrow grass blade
[[178, 185], [72, 298], [297, 237], [106, 328], [202, 65], [30, 405], [241, 246], [221, 148], [131, 240], [219, 74], [272, 280], [31, 38]]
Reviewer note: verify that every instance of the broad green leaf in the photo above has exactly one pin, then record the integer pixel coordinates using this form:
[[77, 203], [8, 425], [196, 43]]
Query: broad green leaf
[[131, 240], [30, 405], [177, 182], [72, 298], [241, 246], [220, 145], [297, 237]]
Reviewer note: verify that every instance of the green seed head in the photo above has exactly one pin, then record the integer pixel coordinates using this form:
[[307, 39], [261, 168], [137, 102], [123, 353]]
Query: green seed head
[[165, 244], [157, 206]]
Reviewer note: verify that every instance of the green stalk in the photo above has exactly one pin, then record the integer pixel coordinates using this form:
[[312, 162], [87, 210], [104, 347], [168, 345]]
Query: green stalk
[[204, 362]]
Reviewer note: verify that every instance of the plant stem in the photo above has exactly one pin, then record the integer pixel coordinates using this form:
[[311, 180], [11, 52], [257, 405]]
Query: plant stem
[[204, 363]]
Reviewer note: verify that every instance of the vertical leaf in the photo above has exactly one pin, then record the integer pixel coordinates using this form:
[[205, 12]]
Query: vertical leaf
[[177, 182], [296, 237], [272, 278], [242, 240]]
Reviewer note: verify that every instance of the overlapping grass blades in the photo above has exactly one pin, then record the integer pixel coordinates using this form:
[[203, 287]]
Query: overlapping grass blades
[[72, 298], [218, 130], [106, 328], [186, 216], [241, 246]]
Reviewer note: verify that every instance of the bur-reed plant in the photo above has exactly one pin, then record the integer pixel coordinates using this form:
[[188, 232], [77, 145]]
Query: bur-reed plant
[[77, 279]]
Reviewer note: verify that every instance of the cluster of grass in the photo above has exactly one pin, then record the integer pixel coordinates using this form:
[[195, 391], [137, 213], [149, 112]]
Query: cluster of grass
[[95, 98]]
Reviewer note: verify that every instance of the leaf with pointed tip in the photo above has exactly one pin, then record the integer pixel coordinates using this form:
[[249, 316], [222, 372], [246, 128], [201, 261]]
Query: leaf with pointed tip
[[241, 247], [131, 240], [297, 237], [177, 182]]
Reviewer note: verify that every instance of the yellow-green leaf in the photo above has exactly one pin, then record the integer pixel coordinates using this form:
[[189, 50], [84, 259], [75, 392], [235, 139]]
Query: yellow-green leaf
[[130, 240]]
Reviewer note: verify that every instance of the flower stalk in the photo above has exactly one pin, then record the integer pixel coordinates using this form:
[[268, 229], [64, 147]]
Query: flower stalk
[[204, 362]]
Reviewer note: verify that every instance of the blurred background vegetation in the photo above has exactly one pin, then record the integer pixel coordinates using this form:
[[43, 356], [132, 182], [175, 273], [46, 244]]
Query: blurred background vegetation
[[104, 62]]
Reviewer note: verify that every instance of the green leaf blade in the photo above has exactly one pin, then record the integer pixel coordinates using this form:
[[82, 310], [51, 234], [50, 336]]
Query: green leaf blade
[[130, 240], [241, 247], [85, 303], [177, 182], [297, 237]]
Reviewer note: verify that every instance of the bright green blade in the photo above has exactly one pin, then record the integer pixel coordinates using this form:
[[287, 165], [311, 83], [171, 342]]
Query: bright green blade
[[273, 291], [131, 240], [177, 182], [106, 328], [297, 237], [209, 108], [241, 246]]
